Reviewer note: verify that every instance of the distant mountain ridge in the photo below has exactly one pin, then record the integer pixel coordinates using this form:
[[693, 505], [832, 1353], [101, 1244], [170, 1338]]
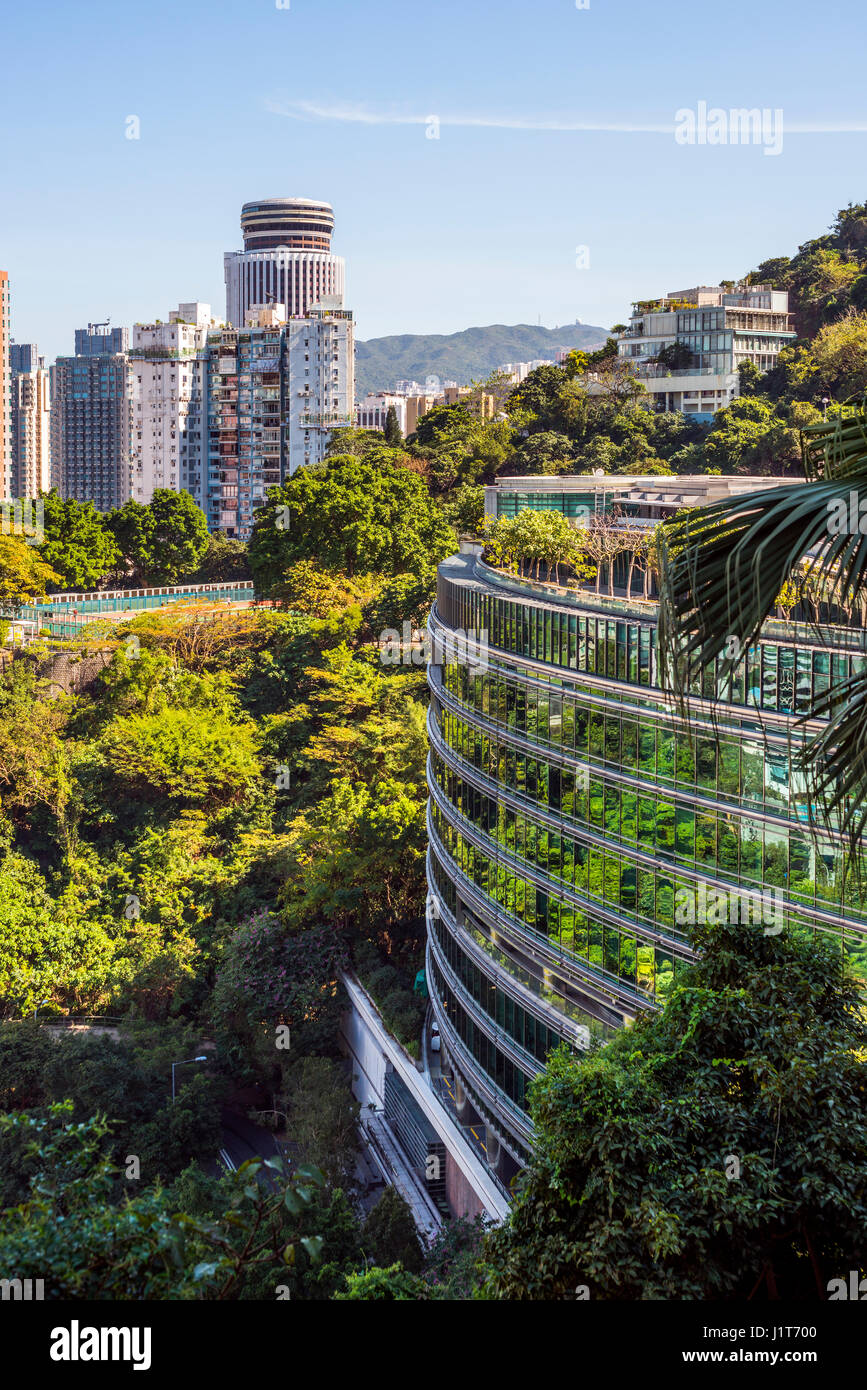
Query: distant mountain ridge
[[470, 355]]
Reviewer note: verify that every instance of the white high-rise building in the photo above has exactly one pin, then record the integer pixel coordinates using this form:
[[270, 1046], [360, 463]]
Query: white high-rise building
[[31, 432], [286, 259], [5, 389], [321, 379], [169, 433]]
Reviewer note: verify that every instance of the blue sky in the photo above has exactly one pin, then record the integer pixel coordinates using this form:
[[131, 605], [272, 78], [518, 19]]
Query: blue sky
[[238, 99]]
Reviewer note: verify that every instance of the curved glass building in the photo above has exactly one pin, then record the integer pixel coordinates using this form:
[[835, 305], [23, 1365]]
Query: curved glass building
[[576, 828]]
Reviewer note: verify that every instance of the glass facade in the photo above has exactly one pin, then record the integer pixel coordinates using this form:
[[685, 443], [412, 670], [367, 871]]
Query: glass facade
[[573, 815]]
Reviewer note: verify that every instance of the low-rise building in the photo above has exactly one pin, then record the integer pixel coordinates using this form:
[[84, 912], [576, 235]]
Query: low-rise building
[[372, 412], [686, 347]]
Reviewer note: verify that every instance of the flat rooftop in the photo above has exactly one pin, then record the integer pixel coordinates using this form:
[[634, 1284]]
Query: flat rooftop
[[684, 489]]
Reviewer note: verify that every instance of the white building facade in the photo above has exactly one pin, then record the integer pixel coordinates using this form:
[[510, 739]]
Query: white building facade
[[704, 334], [296, 279], [372, 412], [169, 436], [321, 380], [31, 432]]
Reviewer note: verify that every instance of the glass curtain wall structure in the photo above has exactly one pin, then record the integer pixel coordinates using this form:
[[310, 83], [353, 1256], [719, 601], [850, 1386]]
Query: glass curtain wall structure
[[573, 819]]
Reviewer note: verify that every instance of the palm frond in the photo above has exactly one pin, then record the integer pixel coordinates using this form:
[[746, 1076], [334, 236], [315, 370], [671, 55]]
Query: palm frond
[[831, 448], [723, 568], [835, 759]]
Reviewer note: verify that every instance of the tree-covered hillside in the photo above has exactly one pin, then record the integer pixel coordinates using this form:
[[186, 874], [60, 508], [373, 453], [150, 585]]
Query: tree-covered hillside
[[470, 355]]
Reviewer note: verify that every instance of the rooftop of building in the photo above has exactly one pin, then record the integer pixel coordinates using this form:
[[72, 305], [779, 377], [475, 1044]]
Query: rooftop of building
[[285, 202], [729, 296], [684, 489], [468, 567]]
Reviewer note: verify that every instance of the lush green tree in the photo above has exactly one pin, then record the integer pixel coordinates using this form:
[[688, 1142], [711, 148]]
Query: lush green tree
[[390, 1235], [545, 452], [602, 356], [44, 950], [445, 426], [710, 1150], [184, 755], [348, 514], [328, 1213], [392, 1284], [461, 446], [269, 977], [465, 509], [352, 441], [323, 1117], [540, 395], [575, 363], [749, 378], [839, 352], [357, 858], [128, 1078], [393, 432], [163, 542], [72, 1233], [23, 575], [308, 587], [675, 357], [225, 559], [651, 467], [452, 1263], [78, 543], [535, 538], [403, 598], [738, 432]]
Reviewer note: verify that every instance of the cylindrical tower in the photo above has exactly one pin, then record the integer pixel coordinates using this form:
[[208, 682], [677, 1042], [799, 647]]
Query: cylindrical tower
[[297, 223], [286, 259]]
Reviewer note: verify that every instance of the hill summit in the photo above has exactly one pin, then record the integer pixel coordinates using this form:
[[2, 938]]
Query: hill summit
[[470, 355]]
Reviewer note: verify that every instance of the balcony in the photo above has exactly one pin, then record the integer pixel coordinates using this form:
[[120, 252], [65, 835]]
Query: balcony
[[326, 420]]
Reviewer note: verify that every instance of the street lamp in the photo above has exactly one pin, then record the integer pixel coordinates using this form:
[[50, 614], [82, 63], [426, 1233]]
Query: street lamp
[[826, 401], [187, 1063]]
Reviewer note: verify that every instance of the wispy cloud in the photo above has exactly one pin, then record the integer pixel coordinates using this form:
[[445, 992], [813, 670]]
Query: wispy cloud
[[365, 115], [360, 114]]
